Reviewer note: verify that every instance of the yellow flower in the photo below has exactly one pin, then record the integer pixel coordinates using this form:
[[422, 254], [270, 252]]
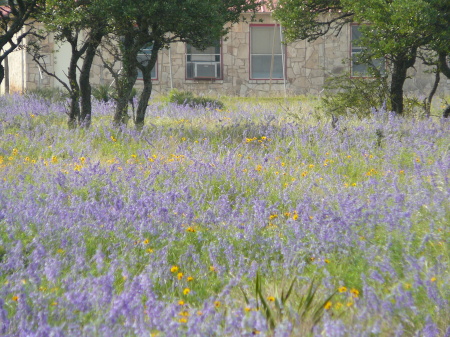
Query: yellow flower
[[149, 250], [217, 304], [349, 304], [183, 320], [247, 309], [190, 229], [328, 305], [15, 298], [184, 313], [180, 276], [212, 268], [173, 269], [180, 302], [433, 279], [354, 292], [190, 278], [186, 291], [326, 261], [146, 241], [342, 289], [271, 299]]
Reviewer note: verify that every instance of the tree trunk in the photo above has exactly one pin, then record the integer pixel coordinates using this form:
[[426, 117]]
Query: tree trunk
[[85, 85], [445, 69], [401, 65], [146, 93], [437, 78], [74, 113], [2, 73], [127, 79], [443, 66]]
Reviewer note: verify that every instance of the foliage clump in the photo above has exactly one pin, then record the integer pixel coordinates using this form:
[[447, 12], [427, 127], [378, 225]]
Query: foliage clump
[[189, 99]]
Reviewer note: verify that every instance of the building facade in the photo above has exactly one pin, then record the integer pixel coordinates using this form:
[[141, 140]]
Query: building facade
[[251, 60]]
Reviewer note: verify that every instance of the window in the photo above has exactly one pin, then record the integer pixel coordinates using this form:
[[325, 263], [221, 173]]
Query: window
[[203, 64], [358, 68], [143, 57], [266, 52]]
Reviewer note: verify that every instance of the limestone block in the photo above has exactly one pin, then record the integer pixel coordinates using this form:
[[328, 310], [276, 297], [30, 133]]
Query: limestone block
[[312, 58], [179, 48], [317, 81], [296, 69], [243, 90], [238, 62]]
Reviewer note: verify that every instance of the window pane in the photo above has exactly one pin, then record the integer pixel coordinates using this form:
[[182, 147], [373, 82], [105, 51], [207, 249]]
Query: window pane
[[204, 58], [208, 50], [356, 35], [263, 38], [359, 68], [261, 65]]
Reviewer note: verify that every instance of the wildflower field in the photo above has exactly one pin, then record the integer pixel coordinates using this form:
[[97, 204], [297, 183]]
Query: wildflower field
[[251, 220]]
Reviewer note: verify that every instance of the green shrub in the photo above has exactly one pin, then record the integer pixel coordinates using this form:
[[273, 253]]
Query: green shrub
[[103, 92], [346, 95], [188, 98]]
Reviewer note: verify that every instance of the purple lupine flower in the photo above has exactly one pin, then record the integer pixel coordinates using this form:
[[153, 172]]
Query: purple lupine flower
[[430, 329]]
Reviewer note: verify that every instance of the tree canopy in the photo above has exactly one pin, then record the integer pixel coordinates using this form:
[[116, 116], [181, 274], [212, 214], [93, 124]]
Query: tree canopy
[[394, 29], [159, 23]]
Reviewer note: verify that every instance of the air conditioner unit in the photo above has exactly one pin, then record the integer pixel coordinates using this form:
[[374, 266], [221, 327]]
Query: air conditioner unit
[[205, 70]]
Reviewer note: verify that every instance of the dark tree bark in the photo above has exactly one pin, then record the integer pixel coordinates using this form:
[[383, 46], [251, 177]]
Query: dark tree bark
[[2, 73], [429, 99], [74, 112], [443, 66], [445, 69], [401, 64], [85, 83], [74, 88], [127, 80], [147, 91]]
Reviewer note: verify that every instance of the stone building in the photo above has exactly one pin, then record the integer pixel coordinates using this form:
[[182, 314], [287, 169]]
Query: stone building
[[251, 60]]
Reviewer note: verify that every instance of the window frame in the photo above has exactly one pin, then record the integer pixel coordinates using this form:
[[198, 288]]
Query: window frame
[[218, 64], [282, 55]]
